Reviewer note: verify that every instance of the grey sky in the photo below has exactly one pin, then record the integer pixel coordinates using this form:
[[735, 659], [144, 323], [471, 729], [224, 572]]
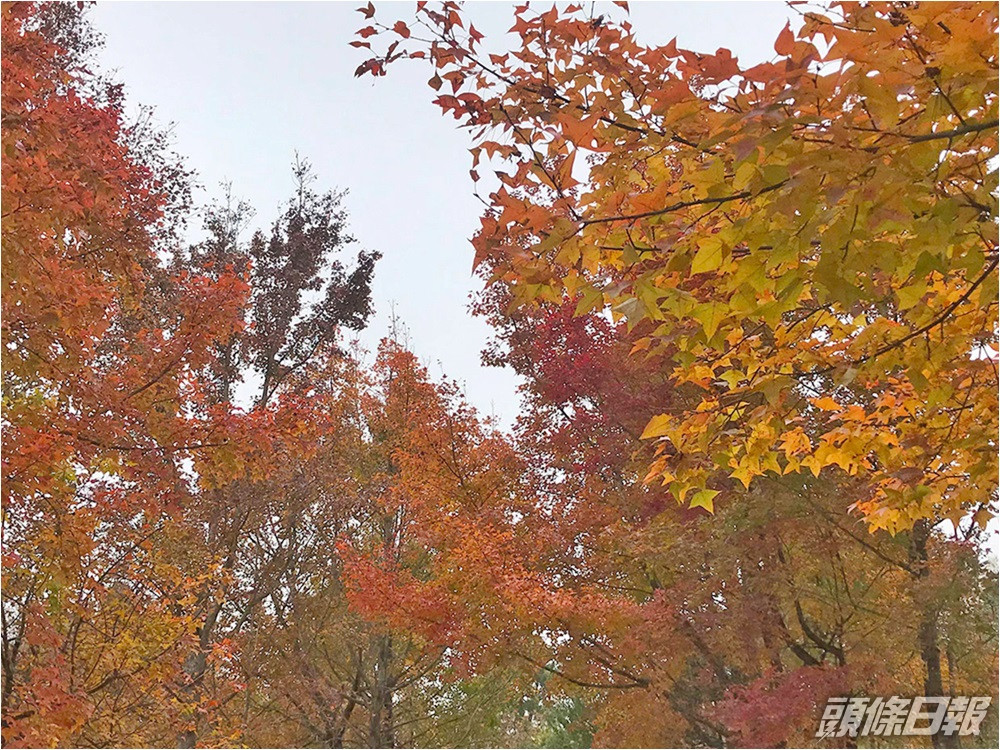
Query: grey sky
[[248, 84]]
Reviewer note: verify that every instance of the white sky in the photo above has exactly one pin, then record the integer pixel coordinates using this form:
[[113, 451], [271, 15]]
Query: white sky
[[248, 84]]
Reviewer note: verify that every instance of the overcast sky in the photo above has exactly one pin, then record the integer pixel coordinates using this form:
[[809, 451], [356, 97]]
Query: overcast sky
[[248, 84]]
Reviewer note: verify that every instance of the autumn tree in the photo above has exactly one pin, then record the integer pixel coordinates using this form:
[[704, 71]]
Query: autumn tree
[[363, 641], [116, 442], [812, 236], [94, 441], [745, 621], [802, 253], [303, 292], [302, 295]]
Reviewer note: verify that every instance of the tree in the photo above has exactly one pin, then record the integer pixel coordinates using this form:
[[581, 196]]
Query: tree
[[358, 637], [446, 509], [303, 295], [114, 436], [745, 621], [94, 439], [802, 252], [301, 298], [811, 238]]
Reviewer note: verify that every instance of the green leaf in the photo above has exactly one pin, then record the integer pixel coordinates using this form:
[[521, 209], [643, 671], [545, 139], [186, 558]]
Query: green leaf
[[988, 291], [710, 315], [910, 295], [590, 298], [704, 499]]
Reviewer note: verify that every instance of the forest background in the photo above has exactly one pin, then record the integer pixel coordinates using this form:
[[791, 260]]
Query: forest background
[[752, 312]]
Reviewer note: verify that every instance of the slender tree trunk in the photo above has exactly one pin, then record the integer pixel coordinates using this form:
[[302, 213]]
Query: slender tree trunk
[[380, 733], [337, 727], [195, 667], [927, 632]]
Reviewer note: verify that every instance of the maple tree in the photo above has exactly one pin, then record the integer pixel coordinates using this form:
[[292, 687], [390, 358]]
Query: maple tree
[[813, 236], [372, 619], [282, 332], [89, 454], [107, 407], [746, 620], [802, 254]]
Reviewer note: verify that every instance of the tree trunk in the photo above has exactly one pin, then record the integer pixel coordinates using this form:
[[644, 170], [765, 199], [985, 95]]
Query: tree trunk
[[195, 666], [380, 733], [927, 633]]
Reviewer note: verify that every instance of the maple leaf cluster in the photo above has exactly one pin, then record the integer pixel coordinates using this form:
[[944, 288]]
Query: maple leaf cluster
[[808, 244]]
